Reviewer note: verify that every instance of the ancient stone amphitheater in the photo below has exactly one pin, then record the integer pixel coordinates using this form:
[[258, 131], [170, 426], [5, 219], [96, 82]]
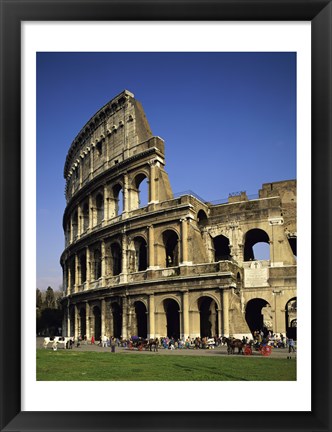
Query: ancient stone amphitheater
[[170, 266]]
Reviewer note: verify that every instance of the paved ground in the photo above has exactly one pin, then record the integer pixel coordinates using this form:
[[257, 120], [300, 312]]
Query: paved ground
[[221, 350]]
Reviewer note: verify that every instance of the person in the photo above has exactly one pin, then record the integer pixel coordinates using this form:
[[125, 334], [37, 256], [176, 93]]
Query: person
[[156, 343], [291, 347], [104, 343], [113, 345], [92, 340]]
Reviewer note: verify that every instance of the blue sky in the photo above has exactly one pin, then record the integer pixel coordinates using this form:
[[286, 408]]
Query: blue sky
[[228, 121]]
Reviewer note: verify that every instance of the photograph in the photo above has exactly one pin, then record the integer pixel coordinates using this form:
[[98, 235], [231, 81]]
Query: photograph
[[166, 216], [157, 166]]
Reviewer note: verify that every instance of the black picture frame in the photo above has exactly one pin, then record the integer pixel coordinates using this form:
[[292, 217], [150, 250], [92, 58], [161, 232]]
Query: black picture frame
[[13, 12]]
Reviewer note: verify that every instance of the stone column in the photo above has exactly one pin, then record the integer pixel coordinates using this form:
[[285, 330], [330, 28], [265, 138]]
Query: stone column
[[184, 240], [76, 329], [87, 318], [69, 280], [71, 237], [79, 221], [124, 271], [103, 317], [76, 274], [124, 318], [151, 333], [106, 203], [91, 223], [68, 321], [151, 246], [225, 310], [219, 322], [126, 207], [91, 160], [103, 262], [88, 268], [152, 184], [185, 314]]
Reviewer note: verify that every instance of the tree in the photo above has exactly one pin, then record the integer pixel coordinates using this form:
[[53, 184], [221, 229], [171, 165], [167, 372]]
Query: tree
[[50, 298], [39, 300]]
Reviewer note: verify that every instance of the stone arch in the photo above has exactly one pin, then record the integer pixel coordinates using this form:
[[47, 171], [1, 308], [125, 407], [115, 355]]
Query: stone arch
[[117, 201], [74, 224], [208, 313], [141, 321], [202, 217], [116, 312], [99, 207], [97, 322], [254, 315], [222, 250], [172, 312], [96, 263], [291, 318], [72, 320], [170, 239], [85, 216], [82, 261], [116, 258], [193, 305], [140, 190], [138, 259], [82, 318], [252, 238]]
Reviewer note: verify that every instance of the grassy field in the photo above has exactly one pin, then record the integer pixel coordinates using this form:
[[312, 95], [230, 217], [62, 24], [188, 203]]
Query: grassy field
[[105, 366]]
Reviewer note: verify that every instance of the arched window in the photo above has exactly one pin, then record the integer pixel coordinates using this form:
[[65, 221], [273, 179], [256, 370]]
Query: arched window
[[75, 225], [221, 248], [140, 254], [116, 259], [85, 216], [201, 217], [97, 263], [140, 192], [257, 245], [83, 267], [100, 208], [117, 200], [171, 243]]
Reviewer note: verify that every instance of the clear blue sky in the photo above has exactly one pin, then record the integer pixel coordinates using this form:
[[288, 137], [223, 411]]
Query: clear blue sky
[[228, 121]]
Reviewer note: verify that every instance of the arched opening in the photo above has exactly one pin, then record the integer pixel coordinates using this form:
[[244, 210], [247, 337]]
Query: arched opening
[[202, 217], [141, 319], [97, 263], [100, 208], [141, 260], [172, 318], [82, 323], [291, 318], [141, 198], [208, 314], [97, 322], [117, 319], [221, 248], [171, 242], [116, 259], [118, 200], [75, 225], [72, 321], [85, 216], [255, 315], [83, 267], [256, 237], [72, 272]]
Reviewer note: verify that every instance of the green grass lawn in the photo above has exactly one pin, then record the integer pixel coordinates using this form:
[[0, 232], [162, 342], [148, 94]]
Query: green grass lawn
[[106, 366]]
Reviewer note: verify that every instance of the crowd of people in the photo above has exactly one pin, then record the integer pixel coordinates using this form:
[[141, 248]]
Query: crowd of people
[[171, 343]]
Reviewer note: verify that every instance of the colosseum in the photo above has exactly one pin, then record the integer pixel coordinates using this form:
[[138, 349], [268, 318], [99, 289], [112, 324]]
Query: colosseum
[[175, 265]]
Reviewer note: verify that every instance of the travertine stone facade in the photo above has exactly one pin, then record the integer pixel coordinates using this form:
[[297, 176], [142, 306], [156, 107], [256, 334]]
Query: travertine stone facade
[[177, 266]]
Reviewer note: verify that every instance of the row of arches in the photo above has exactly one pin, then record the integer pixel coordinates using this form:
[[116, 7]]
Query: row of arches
[[105, 204], [208, 318]]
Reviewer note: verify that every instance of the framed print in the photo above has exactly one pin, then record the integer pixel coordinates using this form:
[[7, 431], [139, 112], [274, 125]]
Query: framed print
[[43, 44]]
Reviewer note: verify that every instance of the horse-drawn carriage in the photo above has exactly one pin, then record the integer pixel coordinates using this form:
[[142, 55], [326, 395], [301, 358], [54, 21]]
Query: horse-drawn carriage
[[246, 348]]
